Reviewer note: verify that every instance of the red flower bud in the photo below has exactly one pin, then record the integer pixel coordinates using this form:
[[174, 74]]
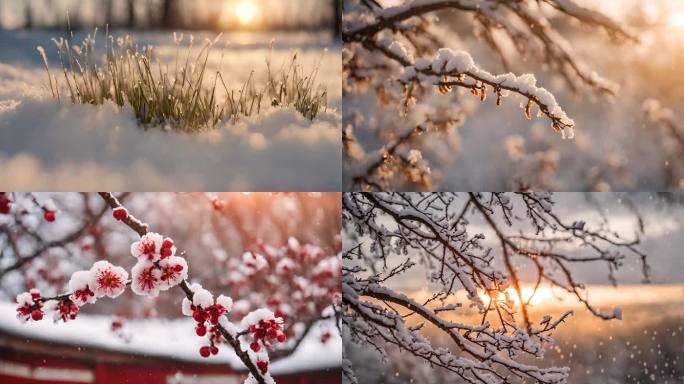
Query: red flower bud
[[201, 330], [263, 366], [36, 315], [49, 216], [165, 252], [255, 346], [167, 243], [198, 316], [120, 213], [214, 350], [205, 351]]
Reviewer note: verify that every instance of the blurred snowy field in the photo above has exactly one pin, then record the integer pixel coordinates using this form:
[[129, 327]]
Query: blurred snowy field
[[165, 338], [48, 145]]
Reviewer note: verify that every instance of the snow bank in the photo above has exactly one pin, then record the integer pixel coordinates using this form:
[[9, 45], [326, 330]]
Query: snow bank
[[45, 145], [174, 339]]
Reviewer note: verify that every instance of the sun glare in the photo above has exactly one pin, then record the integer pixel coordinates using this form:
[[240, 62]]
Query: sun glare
[[542, 295], [676, 20], [246, 11]]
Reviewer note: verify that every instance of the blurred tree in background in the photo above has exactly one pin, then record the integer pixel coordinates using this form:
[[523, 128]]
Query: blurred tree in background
[[174, 14]]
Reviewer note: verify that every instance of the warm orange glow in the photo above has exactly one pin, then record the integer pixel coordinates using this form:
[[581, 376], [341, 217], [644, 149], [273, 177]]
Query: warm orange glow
[[246, 11], [541, 296], [676, 20]]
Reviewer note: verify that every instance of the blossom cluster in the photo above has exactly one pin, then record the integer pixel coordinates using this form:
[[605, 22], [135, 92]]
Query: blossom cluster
[[102, 279], [264, 327], [157, 269], [48, 207], [30, 306], [5, 203], [206, 312], [296, 278]]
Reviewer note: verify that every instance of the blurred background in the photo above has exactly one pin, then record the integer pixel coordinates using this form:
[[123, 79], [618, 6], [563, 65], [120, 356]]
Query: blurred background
[[219, 15]]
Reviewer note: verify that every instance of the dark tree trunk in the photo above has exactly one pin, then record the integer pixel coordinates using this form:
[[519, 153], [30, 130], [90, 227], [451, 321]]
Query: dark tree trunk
[[337, 4], [131, 13], [168, 14], [28, 16]]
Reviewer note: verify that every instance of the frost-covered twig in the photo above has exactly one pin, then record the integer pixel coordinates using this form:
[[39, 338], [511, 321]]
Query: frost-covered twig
[[406, 58]]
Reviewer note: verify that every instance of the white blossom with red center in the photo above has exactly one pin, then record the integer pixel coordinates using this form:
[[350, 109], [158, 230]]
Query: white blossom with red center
[[109, 280], [157, 269], [148, 247], [174, 269], [146, 278], [82, 286], [252, 262]]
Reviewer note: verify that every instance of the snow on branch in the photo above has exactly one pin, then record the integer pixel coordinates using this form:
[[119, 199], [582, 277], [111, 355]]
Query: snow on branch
[[407, 57], [392, 233]]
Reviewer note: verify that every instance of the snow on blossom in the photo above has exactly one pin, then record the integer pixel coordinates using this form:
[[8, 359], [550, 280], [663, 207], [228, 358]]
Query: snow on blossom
[[146, 278], [24, 299], [174, 269], [293, 244], [264, 327], [254, 261], [285, 265], [251, 380], [63, 310], [226, 302], [28, 307], [49, 205], [149, 246], [81, 285], [109, 280], [186, 307], [202, 298]]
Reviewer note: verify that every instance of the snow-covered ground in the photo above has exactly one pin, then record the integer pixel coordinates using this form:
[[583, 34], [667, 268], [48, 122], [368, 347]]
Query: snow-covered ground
[[48, 145], [175, 339]]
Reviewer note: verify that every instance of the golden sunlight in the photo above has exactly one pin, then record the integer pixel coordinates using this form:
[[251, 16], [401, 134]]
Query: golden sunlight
[[676, 20], [529, 295], [246, 11]]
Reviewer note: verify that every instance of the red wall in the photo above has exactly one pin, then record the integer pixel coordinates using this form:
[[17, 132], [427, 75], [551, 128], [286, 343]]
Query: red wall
[[145, 372]]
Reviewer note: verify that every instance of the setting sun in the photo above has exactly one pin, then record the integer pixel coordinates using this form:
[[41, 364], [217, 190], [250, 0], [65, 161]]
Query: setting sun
[[676, 20], [541, 295], [246, 11]]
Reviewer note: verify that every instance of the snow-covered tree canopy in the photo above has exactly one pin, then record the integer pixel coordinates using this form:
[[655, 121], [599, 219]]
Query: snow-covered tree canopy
[[410, 62], [66, 252], [393, 236]]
